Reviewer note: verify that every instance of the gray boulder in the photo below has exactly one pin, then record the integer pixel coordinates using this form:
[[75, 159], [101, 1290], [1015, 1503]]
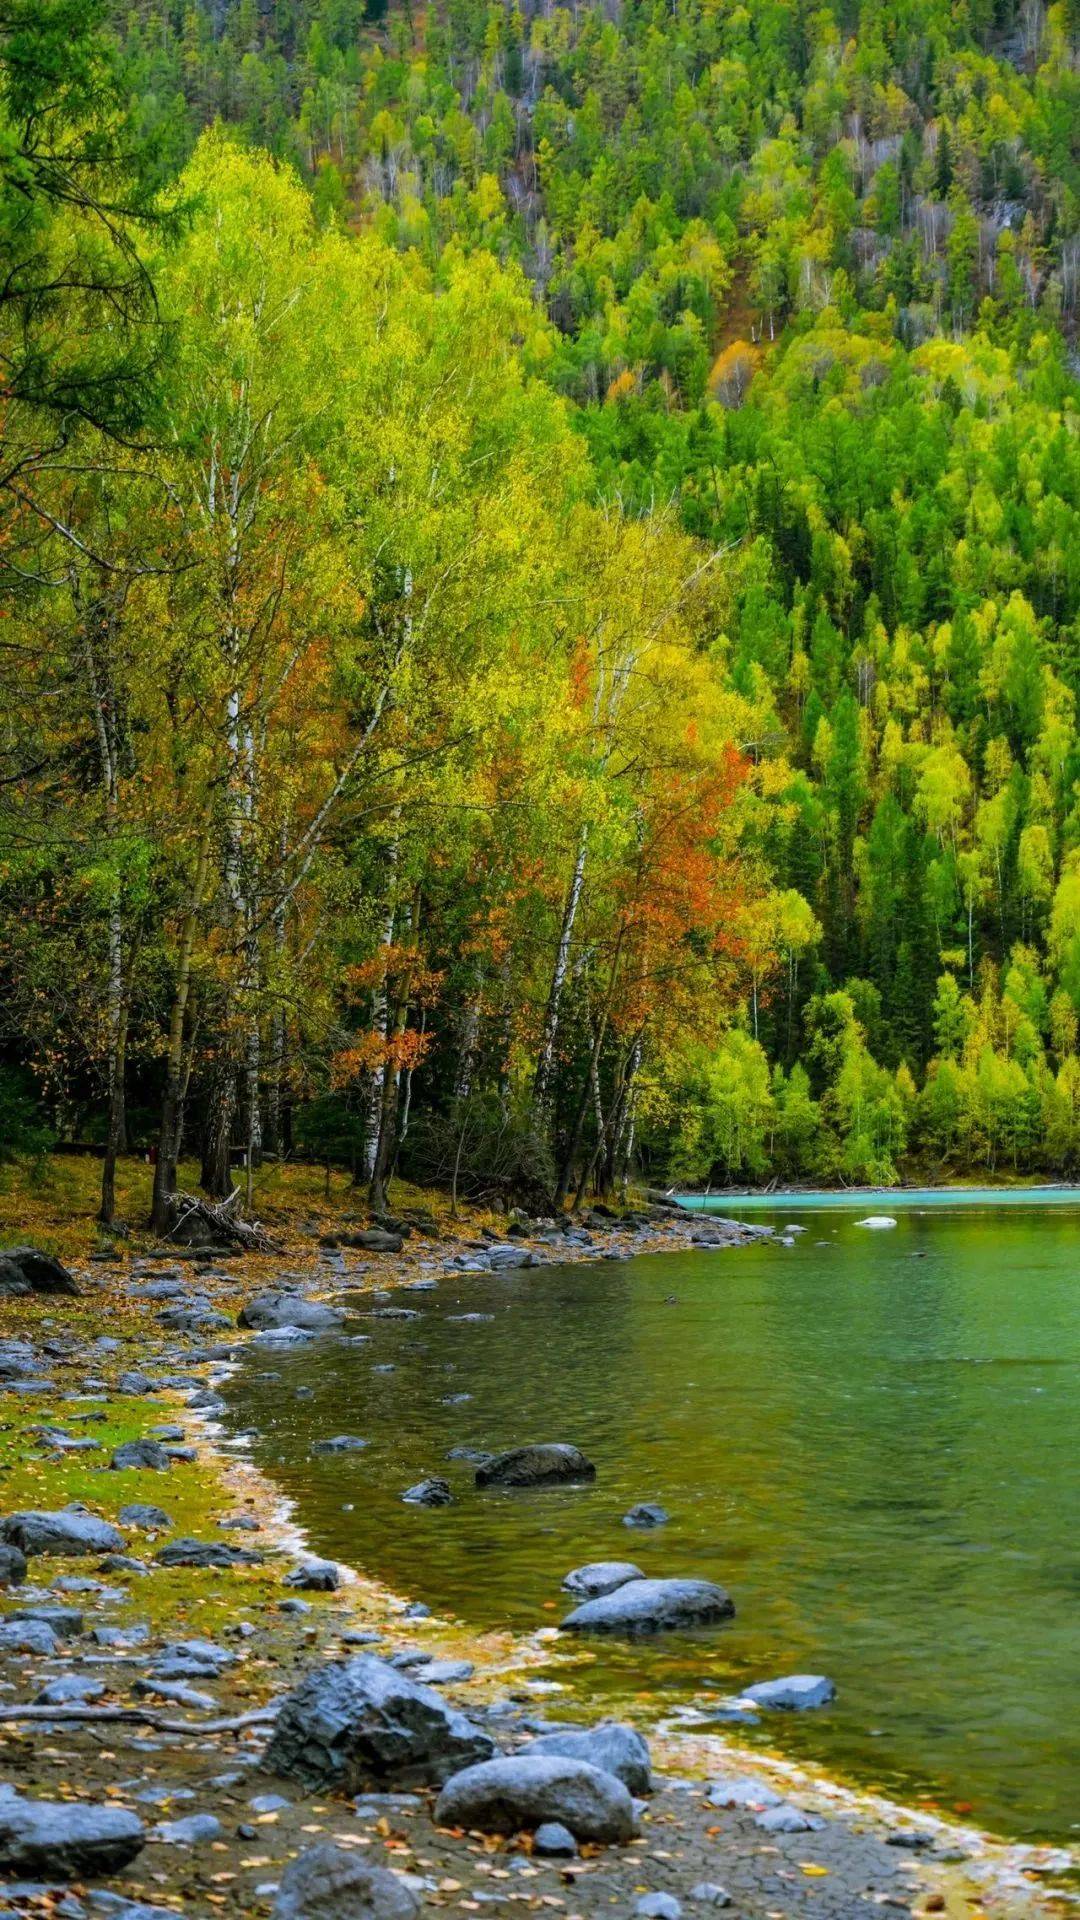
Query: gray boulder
[[611, 1746], [24, 1270], [149, 1454], [503, 1259], [51, 1838], [67, 1689], [374, 1240], [193, 1830], [17, 1359], [55, 1533], [340, 1443], [530, 1790], [315, 1576], [554, 1839], [192, 1319], [652, 1606], [65, 1622], [796, 1693], [600, 1577], [12, 1567], [360, 1721], [143, 1514], [328, 1883], [288, 1310], [27, 1636], [205, 1553], [788, 1819], [744, 1791], [543, 1464]]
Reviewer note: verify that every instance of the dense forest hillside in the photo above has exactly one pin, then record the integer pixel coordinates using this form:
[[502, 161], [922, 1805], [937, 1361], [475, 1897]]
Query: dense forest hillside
[[542, 561]]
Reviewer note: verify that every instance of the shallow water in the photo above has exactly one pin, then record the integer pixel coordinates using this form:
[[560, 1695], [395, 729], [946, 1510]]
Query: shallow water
[[872, 1442]]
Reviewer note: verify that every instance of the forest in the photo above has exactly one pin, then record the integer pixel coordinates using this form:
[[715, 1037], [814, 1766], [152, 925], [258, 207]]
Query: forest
[[540, 590]]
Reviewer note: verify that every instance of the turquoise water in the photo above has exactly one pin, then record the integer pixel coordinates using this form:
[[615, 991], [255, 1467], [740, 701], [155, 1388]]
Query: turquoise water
[[872, 1439], [881, 1200]]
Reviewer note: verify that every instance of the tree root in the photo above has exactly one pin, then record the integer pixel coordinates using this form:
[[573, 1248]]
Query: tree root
[[139, 1716]]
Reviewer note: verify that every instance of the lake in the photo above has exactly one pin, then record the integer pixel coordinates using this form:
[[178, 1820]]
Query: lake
[[871, 1438]]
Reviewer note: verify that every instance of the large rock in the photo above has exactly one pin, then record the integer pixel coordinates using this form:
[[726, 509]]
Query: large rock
[[315, 1576], [66, 1532], [205, 1553], [529, 1790], [149, 1454], [142, 1513], [611, 1746], [12, 1567], [65, 1622], [600, 1577], [504, 1259], [652, 1606], [327, 1883], [796, 1693], [355, 1722], [27, 1636], [24, 1270], [543, 1464], [273, 1310], [373, 1240], [18, 1361], [54, 1838]]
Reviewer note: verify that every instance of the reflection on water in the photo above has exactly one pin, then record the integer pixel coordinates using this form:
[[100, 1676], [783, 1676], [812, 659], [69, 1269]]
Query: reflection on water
[[876, 1453]]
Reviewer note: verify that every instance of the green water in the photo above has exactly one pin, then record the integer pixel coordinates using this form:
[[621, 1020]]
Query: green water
[[872, 1442]]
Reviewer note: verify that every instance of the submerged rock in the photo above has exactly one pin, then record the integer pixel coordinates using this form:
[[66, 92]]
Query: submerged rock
[[429, 1493], [796, 1693], [646, 1515], [544, 1463], [600, 1577], [340, 1443], [652, 1606], [329, 1883], [530, 1790], [359, 1721]]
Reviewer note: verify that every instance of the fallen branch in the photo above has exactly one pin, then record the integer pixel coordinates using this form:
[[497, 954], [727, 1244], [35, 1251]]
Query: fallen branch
[[196, 1223], [140, 1716]]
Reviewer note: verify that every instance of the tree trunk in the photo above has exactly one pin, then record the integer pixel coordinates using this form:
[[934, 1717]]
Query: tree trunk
[[215, 1178], [172, 1098], [574, 1147], [380, 1024], [545, 1061]]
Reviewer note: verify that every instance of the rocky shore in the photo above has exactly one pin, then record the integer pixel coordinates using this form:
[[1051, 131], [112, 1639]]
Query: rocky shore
[[197, 1716]]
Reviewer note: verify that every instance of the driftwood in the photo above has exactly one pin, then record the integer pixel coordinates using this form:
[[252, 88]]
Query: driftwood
[[198, 1223], [140, 1716]]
